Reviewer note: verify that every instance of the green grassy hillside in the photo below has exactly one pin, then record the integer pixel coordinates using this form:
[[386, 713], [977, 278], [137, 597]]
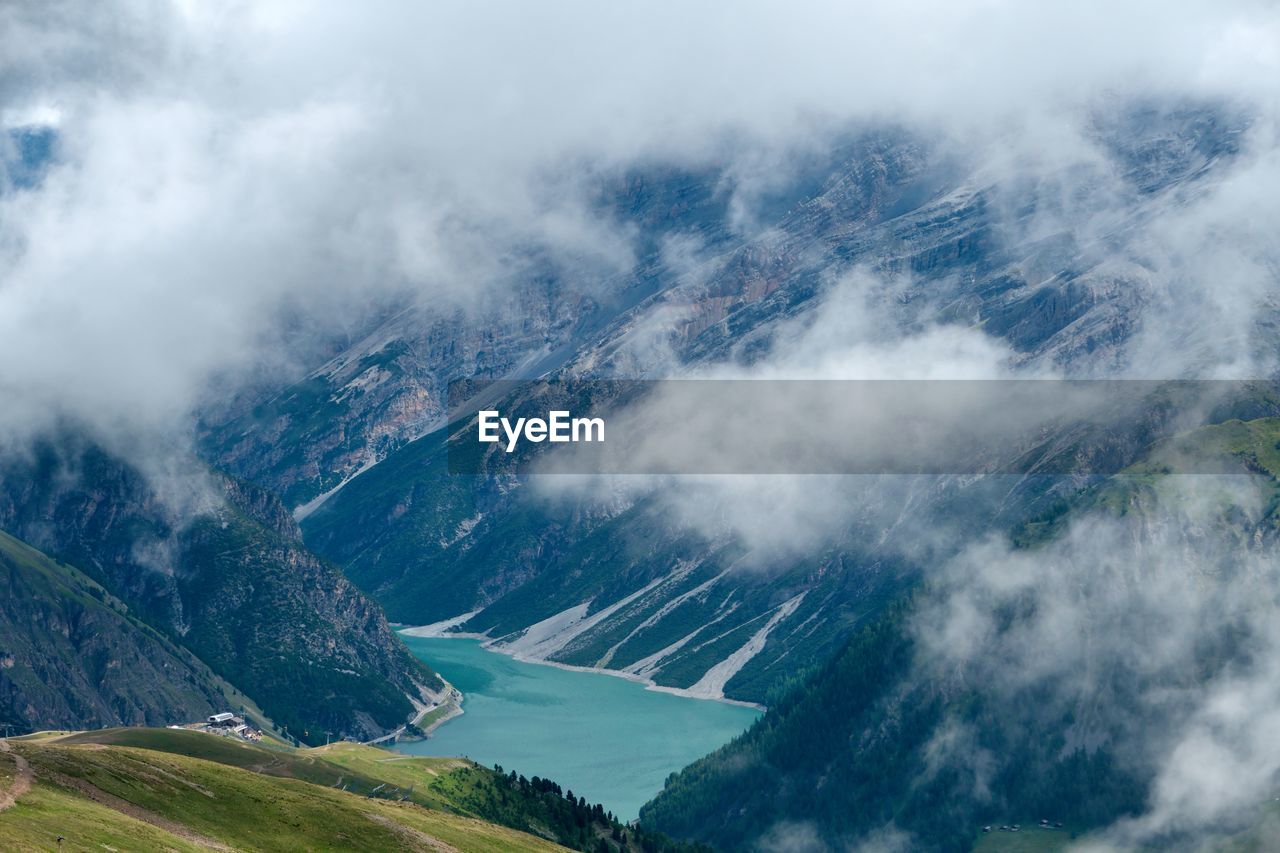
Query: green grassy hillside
[[72, 654], [141, 799], [169, 789]]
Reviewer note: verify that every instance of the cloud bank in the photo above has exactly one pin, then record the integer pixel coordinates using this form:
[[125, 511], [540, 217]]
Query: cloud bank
[[1154, 632], [222, 169]]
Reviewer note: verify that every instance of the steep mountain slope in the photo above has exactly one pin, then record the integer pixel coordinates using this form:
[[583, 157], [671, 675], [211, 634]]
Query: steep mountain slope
[[622, 582], [174, 789], [641, 596], [223, 574], [388, 386], [890, 736], [72, 654], [375, 396], [403, 527]]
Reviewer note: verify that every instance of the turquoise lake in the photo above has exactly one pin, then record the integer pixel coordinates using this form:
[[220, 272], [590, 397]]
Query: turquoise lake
[[605, 738]]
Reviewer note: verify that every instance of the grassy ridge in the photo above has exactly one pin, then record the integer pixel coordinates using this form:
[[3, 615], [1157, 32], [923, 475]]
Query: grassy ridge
[[269, 760], [136, 798], [157, 789]]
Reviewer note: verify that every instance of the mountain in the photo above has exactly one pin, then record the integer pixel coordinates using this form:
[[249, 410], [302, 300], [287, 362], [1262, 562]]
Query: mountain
[[888, 733], [265, 269], [73, 654], [1053, 270], [165, 789], [219, 571], [625, 583], [386, 385], [643, 597]]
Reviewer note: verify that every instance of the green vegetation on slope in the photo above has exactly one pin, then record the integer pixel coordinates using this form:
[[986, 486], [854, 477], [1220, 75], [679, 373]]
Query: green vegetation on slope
[[1231, 447], [1030, 839], [229, 581], [143, 799], [71, 654], [342, 796], [262, 611], [847, 751]]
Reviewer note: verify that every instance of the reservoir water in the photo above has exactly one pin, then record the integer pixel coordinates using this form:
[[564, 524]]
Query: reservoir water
[[603, 737]]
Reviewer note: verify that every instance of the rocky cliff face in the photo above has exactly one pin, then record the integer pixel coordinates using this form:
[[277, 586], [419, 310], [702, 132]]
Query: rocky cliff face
[[371, 399], [218, 569], [388, 387]]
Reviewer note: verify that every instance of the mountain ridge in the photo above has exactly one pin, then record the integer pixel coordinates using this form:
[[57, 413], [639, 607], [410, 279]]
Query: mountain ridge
[[227, 578]]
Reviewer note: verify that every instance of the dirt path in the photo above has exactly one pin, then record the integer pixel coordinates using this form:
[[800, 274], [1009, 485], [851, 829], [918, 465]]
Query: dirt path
[[22, 782]]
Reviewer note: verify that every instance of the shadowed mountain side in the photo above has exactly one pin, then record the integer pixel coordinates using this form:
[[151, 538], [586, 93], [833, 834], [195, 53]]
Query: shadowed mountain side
[[217, 568]]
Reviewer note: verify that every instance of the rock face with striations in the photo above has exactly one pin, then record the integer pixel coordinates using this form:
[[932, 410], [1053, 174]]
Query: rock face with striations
[[380, 393]]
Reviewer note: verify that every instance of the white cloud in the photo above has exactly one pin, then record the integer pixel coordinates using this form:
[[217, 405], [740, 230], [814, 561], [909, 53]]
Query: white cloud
[[219, 160], [1160, 623]]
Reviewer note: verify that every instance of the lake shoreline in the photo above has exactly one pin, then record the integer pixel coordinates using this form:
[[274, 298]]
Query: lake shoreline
[[610, 738], [443, 630]]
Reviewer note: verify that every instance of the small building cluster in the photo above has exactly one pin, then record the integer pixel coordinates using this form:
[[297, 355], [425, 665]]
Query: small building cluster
[[226, 724]]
